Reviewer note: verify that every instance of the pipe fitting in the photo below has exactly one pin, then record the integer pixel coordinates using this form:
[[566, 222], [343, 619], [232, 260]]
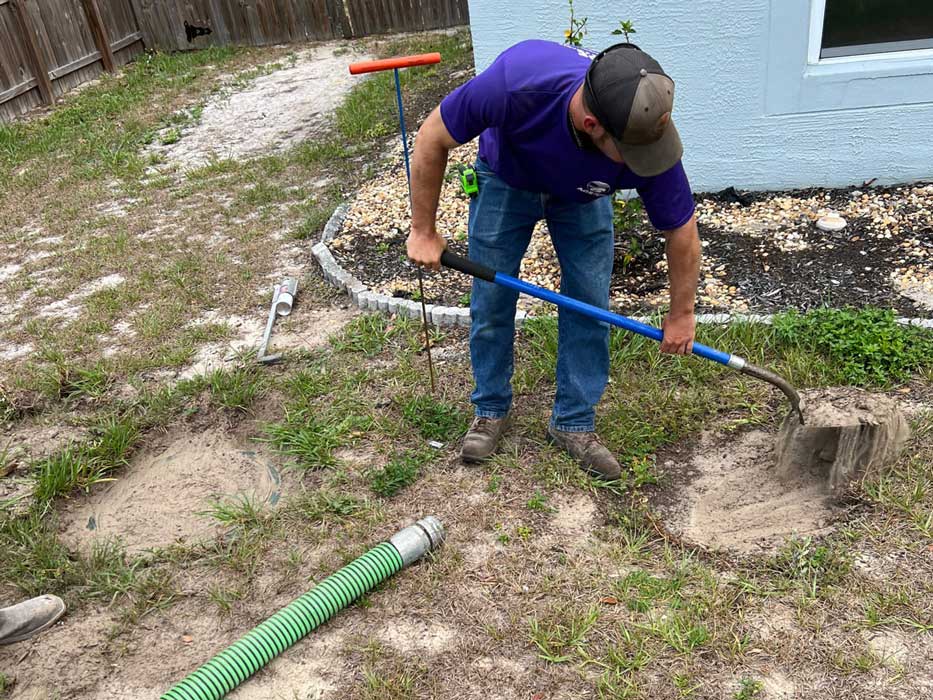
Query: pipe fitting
[[414, 541]]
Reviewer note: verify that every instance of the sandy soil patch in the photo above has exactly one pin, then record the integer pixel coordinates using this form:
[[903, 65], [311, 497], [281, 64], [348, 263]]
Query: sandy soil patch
[[70, 306], [736, 500], [276, 111], [74, 648], [160, 498]]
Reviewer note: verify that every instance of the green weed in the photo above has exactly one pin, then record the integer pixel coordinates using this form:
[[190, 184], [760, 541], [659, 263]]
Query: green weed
[[236, 389], [748, 688], [76, 466], [561, 637], [867, 346], [400, 471], [243, 512], [224, 597], [814, 567], [539, 502], [435, 419], [315, 506], [367, 334], [311, 437]]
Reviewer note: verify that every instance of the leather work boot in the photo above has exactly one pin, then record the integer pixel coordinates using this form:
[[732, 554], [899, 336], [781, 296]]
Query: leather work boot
[[588, 451], [24, 620], [481, 440]]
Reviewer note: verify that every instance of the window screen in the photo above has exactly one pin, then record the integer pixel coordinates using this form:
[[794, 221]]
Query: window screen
[[853, 27]]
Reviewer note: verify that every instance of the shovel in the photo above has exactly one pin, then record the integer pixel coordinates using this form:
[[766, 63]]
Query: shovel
[[457, 262]]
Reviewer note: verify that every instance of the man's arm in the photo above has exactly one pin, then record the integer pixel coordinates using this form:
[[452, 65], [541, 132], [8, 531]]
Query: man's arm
[[683, 262], [429, 162]]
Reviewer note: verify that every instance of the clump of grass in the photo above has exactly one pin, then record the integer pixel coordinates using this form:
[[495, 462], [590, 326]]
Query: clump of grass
[[562, 636], [311, 437], [867, 347], [315, 506], [401, 470], [61, 380], [76, 466], [814, 567], [367, 334], [243, 512], [435, 419], [316, 213], [83, 464], [236, 389], [748, 688]]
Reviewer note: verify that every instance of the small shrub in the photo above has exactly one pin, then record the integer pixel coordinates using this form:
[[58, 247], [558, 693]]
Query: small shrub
[[869, 346]]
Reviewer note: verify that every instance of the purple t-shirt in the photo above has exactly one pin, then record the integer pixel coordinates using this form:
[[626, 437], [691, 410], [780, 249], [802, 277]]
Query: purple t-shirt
[[518, 107]]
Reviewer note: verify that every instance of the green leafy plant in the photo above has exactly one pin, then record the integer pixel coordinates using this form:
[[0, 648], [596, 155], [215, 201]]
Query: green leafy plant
[[870, 347], [573, 36], [625, 27], [400, 471], [813, 566], [748, 688]]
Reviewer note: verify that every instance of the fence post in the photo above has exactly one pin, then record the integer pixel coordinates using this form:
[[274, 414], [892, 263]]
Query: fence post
[[101, 38], [339, 19], [39, 65]]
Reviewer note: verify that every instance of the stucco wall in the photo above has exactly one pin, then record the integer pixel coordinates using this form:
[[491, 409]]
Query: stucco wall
[[751, 111]]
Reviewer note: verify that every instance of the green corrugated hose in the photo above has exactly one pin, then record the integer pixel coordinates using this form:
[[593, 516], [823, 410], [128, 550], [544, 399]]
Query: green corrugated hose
[[258, 647]]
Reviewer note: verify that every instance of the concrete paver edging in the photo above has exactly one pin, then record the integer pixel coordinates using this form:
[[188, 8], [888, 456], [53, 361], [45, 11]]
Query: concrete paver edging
[[367, 300]]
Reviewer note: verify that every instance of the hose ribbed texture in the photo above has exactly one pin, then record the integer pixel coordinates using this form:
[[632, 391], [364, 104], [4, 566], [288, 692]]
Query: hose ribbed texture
[[258, 647]]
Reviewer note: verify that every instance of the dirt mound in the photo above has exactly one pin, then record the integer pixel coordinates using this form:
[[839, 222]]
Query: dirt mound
[[849, 434], [735, 498], [160, 498]]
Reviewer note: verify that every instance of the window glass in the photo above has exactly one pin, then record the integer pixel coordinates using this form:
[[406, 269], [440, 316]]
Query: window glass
[[853, 27]]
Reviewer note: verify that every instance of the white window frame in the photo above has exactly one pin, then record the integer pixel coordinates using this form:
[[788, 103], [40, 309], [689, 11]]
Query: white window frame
[[815, 46]]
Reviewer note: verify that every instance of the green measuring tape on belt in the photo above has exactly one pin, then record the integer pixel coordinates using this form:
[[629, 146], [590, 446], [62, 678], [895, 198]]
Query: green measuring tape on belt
[[468, 180]]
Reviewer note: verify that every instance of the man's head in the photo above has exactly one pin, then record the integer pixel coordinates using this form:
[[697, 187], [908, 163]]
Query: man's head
[[627, 100]]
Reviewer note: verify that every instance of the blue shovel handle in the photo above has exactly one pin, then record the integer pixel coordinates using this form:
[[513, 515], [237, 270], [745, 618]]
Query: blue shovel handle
[[456, 262], [474, 269]]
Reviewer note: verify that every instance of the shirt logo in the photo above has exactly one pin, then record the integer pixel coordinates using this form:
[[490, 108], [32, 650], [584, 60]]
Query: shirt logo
[[595, 188]]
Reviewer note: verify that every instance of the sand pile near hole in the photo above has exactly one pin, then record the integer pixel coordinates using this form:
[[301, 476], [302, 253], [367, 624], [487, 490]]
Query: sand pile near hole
[[737, 500], [160, 497], [849, 434]]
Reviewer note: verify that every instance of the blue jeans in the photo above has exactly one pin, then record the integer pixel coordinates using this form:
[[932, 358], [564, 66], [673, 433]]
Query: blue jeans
[[501, 222]]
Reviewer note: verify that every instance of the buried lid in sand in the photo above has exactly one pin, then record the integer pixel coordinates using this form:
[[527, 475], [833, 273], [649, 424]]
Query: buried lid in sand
[[849, 435]]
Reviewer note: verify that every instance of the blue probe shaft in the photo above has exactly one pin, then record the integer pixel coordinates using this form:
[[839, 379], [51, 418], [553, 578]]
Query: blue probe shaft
[[609, 317]]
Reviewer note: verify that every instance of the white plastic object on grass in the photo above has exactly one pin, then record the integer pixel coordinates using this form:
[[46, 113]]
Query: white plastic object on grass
[[285, 296]]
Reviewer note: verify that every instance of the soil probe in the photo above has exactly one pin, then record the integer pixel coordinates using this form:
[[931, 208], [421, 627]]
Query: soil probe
[[456, 262], [394, 64]]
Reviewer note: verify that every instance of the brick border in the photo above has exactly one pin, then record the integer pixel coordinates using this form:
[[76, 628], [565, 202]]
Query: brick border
[[366, 300]]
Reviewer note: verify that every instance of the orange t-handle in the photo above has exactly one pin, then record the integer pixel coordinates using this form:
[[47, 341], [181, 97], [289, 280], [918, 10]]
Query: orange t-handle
[[423, 59]]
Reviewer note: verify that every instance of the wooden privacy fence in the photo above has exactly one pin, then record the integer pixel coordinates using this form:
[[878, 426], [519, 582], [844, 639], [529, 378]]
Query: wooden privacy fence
[[48, 47]]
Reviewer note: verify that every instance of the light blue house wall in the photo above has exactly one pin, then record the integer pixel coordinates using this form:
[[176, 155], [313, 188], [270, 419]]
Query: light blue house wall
[[751, 110]]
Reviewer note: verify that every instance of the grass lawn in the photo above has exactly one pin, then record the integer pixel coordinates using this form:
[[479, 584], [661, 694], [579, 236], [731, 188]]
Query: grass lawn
[[551, 585]]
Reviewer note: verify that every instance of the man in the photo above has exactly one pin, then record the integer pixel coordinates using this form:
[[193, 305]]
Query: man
[[559, 132], [27, 619]]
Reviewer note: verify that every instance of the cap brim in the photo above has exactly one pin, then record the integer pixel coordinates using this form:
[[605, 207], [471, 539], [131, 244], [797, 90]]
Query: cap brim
[[654, 158]]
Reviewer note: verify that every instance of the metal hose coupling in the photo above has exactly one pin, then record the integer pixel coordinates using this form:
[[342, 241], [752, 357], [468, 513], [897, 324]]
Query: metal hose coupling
[[416, 540], [778, 381]]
